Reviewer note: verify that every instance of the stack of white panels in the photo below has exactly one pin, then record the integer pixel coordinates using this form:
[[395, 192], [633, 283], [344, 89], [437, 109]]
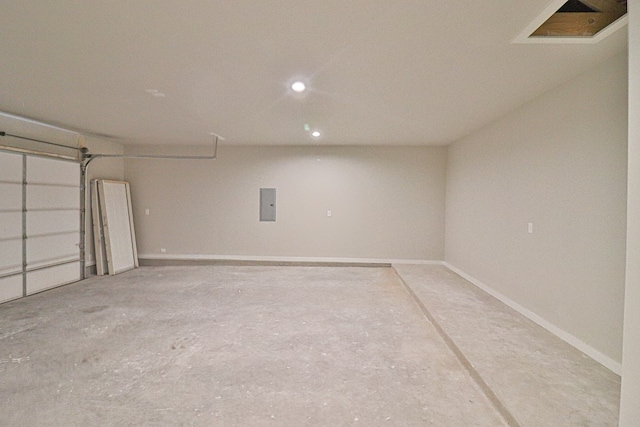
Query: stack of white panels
[[113, 230]]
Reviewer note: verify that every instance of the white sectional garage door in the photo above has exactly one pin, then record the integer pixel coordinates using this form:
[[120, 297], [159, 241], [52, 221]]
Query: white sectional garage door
[[39, 224], [11, 284]]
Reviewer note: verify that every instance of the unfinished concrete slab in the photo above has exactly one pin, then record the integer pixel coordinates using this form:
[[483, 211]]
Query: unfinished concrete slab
[[232, 345], [540, 379]]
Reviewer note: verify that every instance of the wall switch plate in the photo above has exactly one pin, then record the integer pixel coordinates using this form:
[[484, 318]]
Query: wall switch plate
[[329, 213], [530, 228], [146, 211]]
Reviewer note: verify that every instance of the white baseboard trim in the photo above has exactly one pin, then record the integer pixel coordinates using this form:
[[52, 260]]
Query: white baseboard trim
[[417, 262], [250, 258], [596, 355]]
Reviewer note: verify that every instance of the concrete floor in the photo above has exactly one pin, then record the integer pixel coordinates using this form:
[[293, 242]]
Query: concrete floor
[[536, 377], [240, 345]]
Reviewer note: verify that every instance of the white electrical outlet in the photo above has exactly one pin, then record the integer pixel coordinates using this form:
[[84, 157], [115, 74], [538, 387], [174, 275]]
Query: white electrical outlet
[[530, 228], [146, 211], [163, 250], [328, 213]]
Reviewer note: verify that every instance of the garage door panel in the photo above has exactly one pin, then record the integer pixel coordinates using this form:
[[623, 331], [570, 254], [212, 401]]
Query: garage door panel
[[10, 256], [10, 225], [47, 278], [10, 288], [10, 167], [52, 249], [48, 171], [52, 197], [47, 222], [10, 196]]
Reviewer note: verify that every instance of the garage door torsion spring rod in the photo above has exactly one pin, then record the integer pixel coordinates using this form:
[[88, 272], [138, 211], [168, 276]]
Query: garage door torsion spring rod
[[2, 133]]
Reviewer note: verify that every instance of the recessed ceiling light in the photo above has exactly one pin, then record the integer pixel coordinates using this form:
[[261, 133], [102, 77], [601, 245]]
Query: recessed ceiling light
[[315, 134], [298, 86]]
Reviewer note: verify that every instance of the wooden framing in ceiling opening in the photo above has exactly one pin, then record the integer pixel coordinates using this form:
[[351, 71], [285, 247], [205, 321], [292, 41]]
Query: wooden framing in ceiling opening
[[576, 21]]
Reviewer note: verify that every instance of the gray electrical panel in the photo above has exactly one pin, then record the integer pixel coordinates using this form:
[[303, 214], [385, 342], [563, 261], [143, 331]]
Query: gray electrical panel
[[267, 204]]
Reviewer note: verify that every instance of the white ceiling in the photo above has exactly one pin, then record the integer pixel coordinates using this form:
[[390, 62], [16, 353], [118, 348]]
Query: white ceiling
[[379, 71]]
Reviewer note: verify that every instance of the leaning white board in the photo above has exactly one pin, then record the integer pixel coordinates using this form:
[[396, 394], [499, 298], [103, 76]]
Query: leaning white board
[[98, 234], [117, 222]]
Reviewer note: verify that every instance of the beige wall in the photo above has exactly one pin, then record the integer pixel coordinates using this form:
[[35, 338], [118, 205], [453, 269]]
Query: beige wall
[[387, 203], [630, 401], [559, 162]]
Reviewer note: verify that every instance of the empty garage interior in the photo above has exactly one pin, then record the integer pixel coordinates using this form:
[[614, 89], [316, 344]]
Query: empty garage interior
[[458, 244]]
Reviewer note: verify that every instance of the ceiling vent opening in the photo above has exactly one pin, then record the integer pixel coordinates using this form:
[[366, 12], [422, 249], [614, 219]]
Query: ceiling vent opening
[[576, 21], [582, 18], [575, 6]]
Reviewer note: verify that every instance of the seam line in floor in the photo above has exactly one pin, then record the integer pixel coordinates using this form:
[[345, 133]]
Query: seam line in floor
[[475, 375]]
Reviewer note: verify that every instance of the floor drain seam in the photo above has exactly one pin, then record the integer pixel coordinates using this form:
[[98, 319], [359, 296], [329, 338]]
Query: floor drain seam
[[475, 375]]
